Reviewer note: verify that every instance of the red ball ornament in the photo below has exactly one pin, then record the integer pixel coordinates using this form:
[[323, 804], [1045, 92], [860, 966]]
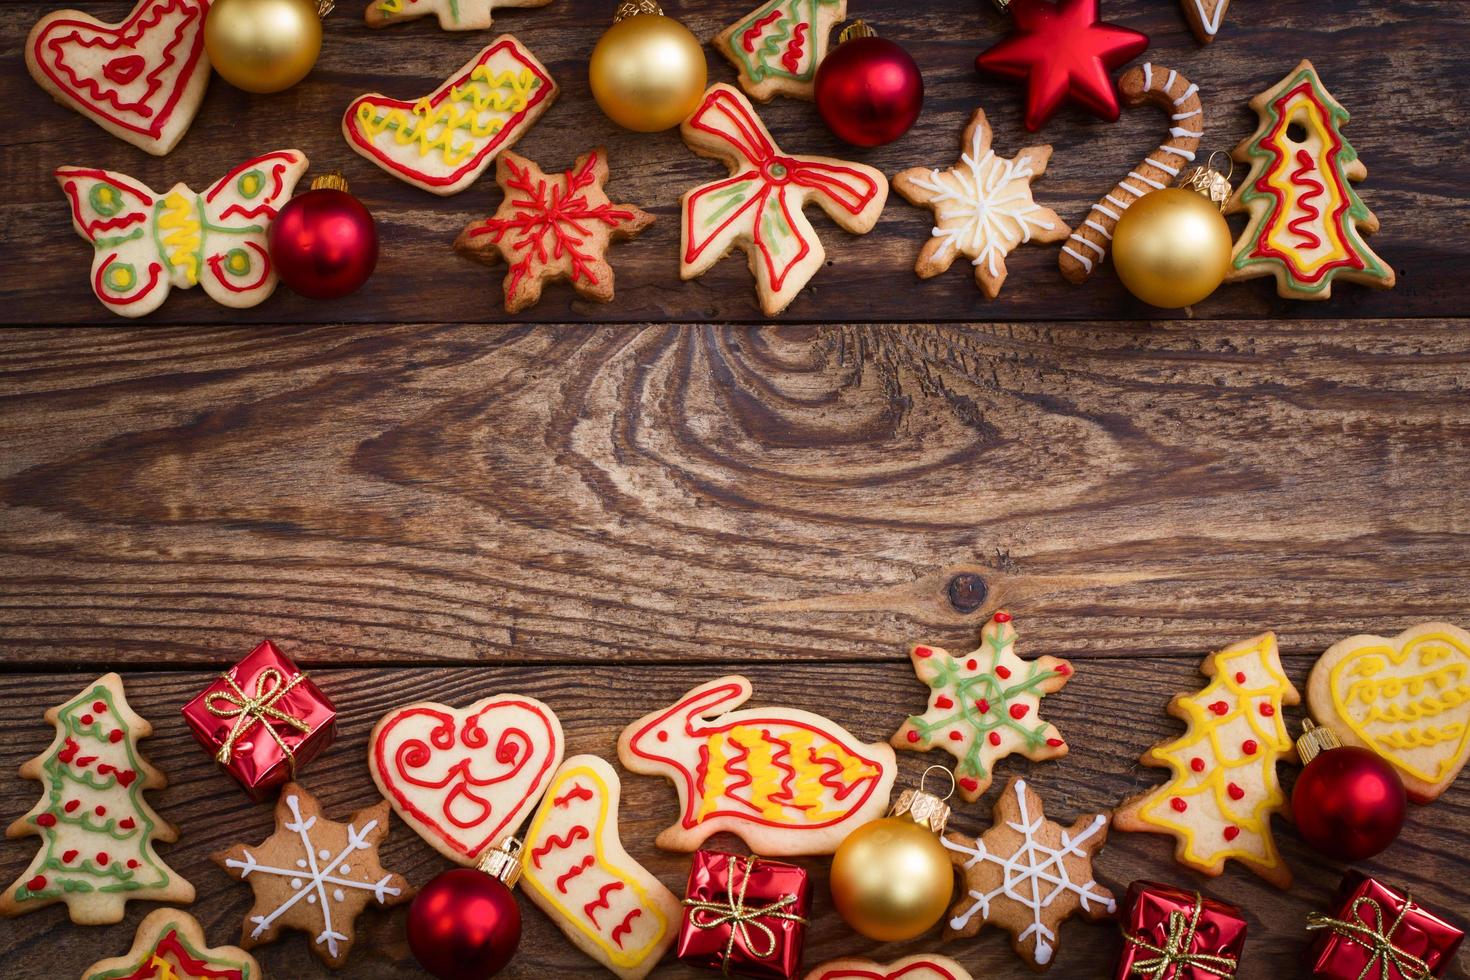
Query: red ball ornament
[[324, 243], [1349, 802], [465, 923], [1062, 52], [868, 89]]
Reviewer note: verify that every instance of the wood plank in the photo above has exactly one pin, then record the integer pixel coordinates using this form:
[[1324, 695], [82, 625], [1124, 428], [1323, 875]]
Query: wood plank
[[1109, 713], [452, 494], [1397, 67]]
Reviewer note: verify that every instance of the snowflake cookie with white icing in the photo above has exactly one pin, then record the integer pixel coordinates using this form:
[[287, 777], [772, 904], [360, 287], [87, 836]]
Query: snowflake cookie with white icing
[[982, 207], [314, 874], [1026, 874]]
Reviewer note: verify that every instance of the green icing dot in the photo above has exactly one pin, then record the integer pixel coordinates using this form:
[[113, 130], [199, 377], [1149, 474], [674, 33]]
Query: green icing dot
[[105, 200], [120, 277], [250, 184]]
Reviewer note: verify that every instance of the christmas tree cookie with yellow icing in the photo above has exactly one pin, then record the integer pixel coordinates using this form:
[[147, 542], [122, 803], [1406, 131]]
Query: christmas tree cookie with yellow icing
[[1223, 789], [170, 945]]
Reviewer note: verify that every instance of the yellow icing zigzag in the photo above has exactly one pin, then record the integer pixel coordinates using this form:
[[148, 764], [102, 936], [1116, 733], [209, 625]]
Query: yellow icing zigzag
[[433, 127], [765, 766], [180, 234]]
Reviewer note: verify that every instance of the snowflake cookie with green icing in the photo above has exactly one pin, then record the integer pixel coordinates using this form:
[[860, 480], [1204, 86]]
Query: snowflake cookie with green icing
[[985, 705]]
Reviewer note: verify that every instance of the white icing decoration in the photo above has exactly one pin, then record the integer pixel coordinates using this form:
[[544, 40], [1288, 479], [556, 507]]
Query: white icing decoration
[[320, 876], [1210, 25], [1031, 869]]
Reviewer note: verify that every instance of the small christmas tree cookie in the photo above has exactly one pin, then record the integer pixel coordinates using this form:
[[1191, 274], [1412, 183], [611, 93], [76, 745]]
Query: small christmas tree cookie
[[984, 705], [778, 46], [1219, 801], [96, 829], [1307, 222], [170, 945]]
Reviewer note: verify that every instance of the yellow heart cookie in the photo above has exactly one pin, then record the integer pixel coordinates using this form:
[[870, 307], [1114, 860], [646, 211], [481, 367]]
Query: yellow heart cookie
[[1406, 698]]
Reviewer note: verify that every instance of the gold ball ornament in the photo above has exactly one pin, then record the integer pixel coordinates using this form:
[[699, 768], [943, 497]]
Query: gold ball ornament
[[263, 45], [647, 72], [891, 878], [1172, 248]]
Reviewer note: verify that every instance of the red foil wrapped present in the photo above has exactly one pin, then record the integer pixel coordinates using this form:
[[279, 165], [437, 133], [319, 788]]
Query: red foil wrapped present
[[744, 916], [1377, 933], [1174, 934], [263, 720]]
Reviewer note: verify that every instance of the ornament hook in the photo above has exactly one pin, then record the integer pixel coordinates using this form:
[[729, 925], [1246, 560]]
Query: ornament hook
[[947, 772], [1209, 182]]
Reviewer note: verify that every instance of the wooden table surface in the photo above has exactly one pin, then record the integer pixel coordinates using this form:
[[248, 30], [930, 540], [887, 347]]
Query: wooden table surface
[[604, 505]]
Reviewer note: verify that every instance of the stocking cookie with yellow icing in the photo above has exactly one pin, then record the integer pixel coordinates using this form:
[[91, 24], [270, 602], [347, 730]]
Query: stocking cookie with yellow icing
[[984, 705], [443, 141], [1307, 221], [924, 966], [551, 227], [170, 945], [758, 208], [785, 781], [1223, 789], [575, 870], [982, 207], [1406, 698], [97, 831], [778, 46], [454, 15]]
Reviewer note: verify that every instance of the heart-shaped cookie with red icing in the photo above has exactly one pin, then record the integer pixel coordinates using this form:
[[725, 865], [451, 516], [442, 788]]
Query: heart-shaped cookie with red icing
[[923, 966], [1406, 698], [465, 778], [141, 79]]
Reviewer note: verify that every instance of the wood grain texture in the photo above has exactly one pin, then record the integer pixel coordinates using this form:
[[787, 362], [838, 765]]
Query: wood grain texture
[[1108, 713], [1397, 67]]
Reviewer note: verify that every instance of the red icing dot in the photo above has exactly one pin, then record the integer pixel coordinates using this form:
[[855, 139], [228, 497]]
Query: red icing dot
[[126, 777], [1197, 764], [46, 820], [99, 706], [86, 719], [1219, 707], [132, 862], [1004, 673], [1235, 791], [127, 823], [37, 883], [1249, 746], [1231, 833], [923, 652], [100, 810], [662, 737], [943, 701], [102, 858], [69, 856], [71, 805], [913, 735], [1240, 677], [1018, 711], [1002, 617], [983, 706], [1179, 804], [1055, 742], [115, 736], [970, 784], [1065, 669], [971, 664], [86, 761], [1267, 710], [995, 738], [956, 736]]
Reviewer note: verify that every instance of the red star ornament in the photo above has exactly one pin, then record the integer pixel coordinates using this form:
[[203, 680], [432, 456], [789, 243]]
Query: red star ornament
[[1062, 52]]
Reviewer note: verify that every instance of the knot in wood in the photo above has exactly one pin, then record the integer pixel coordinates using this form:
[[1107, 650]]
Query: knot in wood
[[967, 592]]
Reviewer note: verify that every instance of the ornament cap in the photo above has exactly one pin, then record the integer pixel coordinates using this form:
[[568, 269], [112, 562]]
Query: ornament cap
[[925, 809], [1314, 740], [858, 28], [1208, 182], [1004, 6], [333, 181], [503, 862], [635, 8]]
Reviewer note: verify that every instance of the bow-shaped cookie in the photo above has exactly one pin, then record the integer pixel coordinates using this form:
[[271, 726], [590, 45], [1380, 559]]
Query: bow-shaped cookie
[[759, 206]]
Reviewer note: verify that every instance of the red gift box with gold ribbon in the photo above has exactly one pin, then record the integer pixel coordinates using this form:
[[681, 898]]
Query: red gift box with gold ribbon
[[262, 720], [1379, 933], [744, 916]]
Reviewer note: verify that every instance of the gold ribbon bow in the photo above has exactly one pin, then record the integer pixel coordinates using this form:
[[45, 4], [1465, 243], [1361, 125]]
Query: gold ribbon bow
[[1375, 939], [270, 687], [733, 912], [1176, 951]]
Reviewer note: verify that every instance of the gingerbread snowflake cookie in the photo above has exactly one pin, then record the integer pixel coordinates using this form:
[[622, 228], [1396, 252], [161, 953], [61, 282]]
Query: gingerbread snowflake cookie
[[454, 15], [1027, 874], [758, 207], [982, 207], [1205, 17], [97, 830], [778, 46], [1223, 789], [314, 874], [170, 945], [984, 705], [555, 227]]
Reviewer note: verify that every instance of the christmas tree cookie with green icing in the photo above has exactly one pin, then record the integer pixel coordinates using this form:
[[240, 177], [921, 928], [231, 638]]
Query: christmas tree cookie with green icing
[[984, 705], [170, 945], [96, 829], [778, 46]]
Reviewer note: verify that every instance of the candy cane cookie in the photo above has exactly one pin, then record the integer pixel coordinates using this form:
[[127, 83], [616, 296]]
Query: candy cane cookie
[[1176, 95]]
